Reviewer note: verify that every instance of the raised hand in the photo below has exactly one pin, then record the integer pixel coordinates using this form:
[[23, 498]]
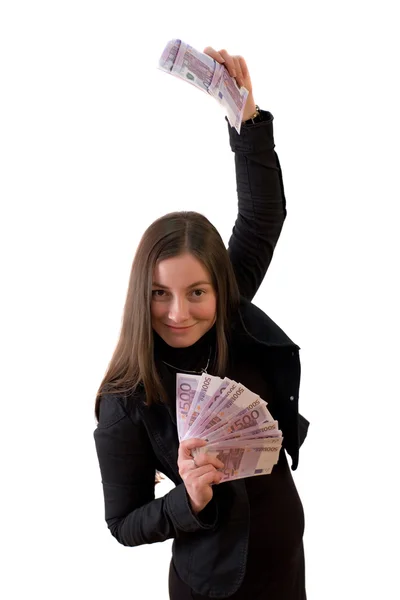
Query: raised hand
[[237, 68]]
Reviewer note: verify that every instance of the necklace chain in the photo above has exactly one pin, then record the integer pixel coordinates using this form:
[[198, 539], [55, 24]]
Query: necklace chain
[[193, 372]]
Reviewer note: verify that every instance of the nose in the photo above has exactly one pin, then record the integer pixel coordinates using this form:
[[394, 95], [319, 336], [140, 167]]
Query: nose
[[178, 310]]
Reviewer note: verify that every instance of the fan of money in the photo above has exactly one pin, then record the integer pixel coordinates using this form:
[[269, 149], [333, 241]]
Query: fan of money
[[235, 423]]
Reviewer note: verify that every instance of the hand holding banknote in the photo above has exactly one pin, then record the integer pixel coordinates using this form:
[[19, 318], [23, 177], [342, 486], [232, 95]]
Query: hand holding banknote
[[198, 474], [221, 419], [212, 72], [237, 68]]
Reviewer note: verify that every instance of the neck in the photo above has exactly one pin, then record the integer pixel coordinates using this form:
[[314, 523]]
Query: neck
[[191, 358]]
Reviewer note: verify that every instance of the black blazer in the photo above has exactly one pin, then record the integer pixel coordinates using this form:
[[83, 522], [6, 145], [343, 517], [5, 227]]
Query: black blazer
[[134, 440]]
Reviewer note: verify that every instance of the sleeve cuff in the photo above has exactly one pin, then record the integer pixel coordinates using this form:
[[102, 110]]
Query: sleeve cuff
[[253, 138], [181, 513]]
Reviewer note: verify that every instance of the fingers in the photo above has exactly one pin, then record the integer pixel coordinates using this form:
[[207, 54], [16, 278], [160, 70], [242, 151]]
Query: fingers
[[200, 465], [229, 62], [196, 478], [209, 478], [192, 443], [186, 447], [243, 67], [223, 57], [235, 65], [214, 54], [238, 69], [186, 463], [185, 458], [206, 459]]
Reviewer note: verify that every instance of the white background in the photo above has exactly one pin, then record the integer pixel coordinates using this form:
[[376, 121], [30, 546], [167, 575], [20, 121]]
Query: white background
[[95, 144]]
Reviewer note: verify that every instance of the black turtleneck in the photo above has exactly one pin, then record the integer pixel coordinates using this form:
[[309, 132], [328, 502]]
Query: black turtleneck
[[191, 358]]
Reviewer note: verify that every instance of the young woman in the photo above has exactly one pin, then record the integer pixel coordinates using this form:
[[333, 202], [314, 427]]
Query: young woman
[[188, 308]]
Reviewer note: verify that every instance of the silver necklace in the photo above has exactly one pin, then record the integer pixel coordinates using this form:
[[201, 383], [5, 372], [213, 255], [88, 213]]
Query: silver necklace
[[192, 372]]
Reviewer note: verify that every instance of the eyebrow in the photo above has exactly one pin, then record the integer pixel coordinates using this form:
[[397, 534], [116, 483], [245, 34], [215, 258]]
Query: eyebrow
[[165, 287]]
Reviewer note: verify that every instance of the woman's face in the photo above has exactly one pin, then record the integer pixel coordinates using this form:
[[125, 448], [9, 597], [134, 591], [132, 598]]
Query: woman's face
[[184, 302]]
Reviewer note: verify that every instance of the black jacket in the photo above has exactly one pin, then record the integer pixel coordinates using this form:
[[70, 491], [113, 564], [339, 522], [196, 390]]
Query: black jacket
[[133, 440]]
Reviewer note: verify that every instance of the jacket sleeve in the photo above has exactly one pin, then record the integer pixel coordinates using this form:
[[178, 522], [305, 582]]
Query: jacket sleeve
[[261, 203], [127, 466]]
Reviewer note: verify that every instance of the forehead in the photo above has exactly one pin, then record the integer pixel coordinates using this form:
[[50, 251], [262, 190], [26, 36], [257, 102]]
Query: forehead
[[180, 271]]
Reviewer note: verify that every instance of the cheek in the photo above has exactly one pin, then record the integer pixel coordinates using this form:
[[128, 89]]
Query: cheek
[[208, 310], [157, 310]]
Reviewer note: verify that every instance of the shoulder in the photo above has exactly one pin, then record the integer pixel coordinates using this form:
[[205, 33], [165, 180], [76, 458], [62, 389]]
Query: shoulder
[[111, 410], [255, 324], [115, 406]]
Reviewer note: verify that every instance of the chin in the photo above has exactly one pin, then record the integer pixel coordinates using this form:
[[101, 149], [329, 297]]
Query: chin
[[179, 344], [177, 340], [185, 342]]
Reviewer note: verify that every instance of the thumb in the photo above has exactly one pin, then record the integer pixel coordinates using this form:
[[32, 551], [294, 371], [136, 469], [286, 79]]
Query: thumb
[[186, 446]]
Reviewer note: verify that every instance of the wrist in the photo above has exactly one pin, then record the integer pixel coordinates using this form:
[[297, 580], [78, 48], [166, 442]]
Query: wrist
[[195, 508], [249, 109]]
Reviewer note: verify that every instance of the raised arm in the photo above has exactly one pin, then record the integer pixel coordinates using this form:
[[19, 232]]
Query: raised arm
[[261, 198], [261, 203]]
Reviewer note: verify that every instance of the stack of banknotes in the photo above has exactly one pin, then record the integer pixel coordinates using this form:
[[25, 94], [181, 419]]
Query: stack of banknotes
[[235, 423], [206, 74]]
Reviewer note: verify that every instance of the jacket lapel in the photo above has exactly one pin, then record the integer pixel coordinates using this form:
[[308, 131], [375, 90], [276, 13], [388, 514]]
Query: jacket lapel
[[163, 435]]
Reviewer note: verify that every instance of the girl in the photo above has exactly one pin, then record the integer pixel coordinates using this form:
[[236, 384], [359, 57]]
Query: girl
[[188, 309]]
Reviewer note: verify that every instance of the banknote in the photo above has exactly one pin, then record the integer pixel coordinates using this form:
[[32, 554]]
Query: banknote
[[240, 408], [252, 416], [208, 408], [242, 462], [183, 61], [206, 389], [186, 386], [216, 415], [274, 441], [267, 429], [234, 421]]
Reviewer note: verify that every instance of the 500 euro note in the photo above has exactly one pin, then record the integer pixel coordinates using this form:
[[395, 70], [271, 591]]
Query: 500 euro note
[[209, 405], [234, 421], [213, 419], [199, 69], [240, 408], [206, 389], [186, 386], [266, 429], [271, 442], [243, 461]]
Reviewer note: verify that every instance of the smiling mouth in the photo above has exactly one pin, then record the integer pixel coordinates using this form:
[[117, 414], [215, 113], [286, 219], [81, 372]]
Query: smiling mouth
[[180, 328]]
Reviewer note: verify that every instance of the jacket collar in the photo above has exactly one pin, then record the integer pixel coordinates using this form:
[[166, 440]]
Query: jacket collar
[[252, 322]]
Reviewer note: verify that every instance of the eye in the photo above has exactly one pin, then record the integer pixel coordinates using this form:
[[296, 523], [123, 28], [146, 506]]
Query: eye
[[158, 293], [198, 295]]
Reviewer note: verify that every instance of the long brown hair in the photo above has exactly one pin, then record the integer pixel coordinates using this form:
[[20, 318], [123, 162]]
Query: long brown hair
[[171, 235]]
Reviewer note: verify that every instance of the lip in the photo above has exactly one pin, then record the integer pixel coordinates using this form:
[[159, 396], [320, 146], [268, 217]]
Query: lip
[[179, 328]]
